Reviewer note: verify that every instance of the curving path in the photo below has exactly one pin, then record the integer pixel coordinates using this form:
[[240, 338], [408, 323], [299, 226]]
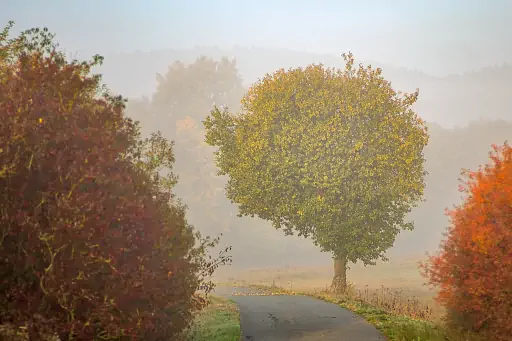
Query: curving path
[[287, 318]]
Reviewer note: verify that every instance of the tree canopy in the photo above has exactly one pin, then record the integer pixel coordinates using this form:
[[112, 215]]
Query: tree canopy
[[93, 243], [183, 98], [187, 90], [335, 154]]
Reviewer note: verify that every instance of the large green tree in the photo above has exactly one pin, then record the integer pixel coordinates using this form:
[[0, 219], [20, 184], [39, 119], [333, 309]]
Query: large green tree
[[334, 154]]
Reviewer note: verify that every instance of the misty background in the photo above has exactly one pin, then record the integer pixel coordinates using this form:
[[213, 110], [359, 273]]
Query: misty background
[[458, 53]]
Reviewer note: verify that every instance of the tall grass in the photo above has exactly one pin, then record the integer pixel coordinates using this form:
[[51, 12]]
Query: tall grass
[[392, 301], [399, 317]]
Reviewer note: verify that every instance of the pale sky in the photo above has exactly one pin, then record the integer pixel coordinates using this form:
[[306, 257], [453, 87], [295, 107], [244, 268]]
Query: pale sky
[[434, 36]]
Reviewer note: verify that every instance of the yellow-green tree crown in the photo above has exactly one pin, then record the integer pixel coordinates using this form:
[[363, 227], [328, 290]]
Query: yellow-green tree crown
[[335, 154]]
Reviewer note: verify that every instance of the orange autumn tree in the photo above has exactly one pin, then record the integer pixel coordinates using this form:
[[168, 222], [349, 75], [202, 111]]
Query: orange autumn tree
[[474, 268]]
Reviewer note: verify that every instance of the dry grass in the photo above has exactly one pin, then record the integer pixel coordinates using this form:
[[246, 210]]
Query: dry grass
[[393, 302]]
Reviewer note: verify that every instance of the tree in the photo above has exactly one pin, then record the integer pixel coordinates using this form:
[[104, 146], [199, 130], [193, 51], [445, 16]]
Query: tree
[[93, 243], [474, 267], [182, 100], [138, 109], [190, 90], [332, 154]]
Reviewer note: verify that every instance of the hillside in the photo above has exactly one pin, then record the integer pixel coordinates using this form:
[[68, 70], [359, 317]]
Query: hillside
[[450, 101]]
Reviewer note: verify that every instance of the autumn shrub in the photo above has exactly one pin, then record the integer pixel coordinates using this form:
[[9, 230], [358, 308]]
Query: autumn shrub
[[474, 267], [93, 244]]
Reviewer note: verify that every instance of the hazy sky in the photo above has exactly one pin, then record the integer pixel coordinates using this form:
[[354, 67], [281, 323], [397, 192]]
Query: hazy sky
[[434, 36]]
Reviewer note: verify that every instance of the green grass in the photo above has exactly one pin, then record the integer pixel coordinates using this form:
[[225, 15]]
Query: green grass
[[399, 327], [219, 321]]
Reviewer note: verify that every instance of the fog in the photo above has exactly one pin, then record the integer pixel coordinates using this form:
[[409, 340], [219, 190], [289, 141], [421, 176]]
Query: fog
[[457, 53]]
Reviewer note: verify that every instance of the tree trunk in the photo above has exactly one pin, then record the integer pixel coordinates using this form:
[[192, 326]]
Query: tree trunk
[[339, 281]]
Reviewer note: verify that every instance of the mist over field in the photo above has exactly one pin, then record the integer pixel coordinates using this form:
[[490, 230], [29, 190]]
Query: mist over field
[[457, 53]]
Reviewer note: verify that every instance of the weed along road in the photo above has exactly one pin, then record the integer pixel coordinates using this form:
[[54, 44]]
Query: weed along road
[[286, 318]]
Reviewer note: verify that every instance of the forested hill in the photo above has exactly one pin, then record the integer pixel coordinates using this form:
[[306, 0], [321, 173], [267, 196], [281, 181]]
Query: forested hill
[[449, 101]]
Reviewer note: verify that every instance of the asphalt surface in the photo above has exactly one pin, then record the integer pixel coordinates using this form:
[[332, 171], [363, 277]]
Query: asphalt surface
[[297, 318]]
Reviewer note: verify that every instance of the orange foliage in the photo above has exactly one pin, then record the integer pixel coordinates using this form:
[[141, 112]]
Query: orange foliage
[[186, 124], [474, 267]]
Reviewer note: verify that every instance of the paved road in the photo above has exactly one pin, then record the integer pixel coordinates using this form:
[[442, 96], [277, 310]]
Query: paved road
[[297, 318]]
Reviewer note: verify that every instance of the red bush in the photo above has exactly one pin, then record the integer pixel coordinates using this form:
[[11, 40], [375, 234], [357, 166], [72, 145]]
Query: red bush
[[474, 267], [90, 242]]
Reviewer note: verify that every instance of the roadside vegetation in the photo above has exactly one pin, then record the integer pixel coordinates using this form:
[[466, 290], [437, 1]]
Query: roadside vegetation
[[219, 321], [95, 242], [399, 318], [471, 273]]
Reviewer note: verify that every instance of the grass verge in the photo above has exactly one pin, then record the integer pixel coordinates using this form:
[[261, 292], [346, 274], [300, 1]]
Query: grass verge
[[396, 324], [397, 327], [219, 321]]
